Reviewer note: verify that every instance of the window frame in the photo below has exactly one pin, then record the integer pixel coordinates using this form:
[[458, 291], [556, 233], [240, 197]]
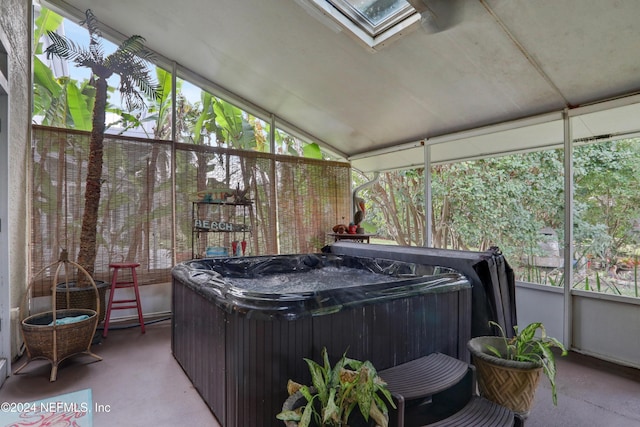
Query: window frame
[[359, 19], [374, 37]]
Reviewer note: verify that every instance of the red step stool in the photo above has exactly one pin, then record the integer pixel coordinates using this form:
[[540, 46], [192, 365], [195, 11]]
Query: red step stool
[[123, 304]]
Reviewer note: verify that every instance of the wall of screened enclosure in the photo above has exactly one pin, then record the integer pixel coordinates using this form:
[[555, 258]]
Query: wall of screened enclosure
[[510, 201], [295, 201], [516, 202]]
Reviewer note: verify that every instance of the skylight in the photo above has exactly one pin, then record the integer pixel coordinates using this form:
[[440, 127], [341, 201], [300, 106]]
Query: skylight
[[372, 21], [374, 16]]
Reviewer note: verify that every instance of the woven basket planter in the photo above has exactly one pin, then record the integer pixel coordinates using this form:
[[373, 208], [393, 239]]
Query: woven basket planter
[[47, 335], [70, 295], [55, 344], [507, 382]]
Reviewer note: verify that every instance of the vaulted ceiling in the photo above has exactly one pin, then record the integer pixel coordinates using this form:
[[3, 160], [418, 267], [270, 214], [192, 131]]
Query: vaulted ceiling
[[487, 62]]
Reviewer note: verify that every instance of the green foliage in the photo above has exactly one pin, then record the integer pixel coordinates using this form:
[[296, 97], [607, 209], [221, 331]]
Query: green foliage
[[80, 103], [62, 102], [65, 102], [502, 201], [46, 21], [605, 176], [235, 130], [206, 120], [312, 151], [525, 346], [395, 206], [490, 202], [505, 201], [129, 61], [210, 121], [337, 391]]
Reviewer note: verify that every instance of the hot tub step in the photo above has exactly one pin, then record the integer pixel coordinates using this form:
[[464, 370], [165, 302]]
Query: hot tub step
[[439, 390], [415, 383], [425, 376], [480, 412]]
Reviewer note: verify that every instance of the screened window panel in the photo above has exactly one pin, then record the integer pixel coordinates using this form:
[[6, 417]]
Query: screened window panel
[[208, 120]]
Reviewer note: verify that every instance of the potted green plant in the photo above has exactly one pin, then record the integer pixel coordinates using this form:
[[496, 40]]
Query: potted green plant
[[335, 394], [508, 369]]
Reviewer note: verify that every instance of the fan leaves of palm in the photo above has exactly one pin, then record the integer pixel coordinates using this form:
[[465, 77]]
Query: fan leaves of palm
[[66, 49], [129, 61]]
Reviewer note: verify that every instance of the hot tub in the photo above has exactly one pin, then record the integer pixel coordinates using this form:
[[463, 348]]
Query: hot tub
[[242, 326]]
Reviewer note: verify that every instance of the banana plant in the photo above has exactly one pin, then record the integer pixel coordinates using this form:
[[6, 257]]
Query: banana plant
[[237, 132], [206, 119]]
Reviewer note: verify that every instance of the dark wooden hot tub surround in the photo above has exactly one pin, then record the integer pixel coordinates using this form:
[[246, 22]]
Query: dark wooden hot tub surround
[[240, 361]]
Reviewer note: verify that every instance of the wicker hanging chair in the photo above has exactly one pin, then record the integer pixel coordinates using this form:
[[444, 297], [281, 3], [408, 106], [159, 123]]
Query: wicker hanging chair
[[47, 336]]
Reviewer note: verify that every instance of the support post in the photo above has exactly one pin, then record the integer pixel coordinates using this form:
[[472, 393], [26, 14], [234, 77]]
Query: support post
[[568, 228], [428, 234]]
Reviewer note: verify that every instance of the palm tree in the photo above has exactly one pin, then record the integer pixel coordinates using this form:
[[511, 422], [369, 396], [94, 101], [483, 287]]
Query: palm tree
[[130, 62]]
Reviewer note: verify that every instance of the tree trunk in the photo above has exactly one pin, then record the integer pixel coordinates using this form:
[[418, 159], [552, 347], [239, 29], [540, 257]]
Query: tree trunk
[[87, 254]]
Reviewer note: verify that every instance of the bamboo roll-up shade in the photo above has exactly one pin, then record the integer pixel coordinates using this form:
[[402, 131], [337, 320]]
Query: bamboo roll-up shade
[[205, 169], [312, 198], [134, 219]]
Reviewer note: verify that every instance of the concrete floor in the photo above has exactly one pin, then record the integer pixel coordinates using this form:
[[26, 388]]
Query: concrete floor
[[144, 386], [138, 379], [591, 393]]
